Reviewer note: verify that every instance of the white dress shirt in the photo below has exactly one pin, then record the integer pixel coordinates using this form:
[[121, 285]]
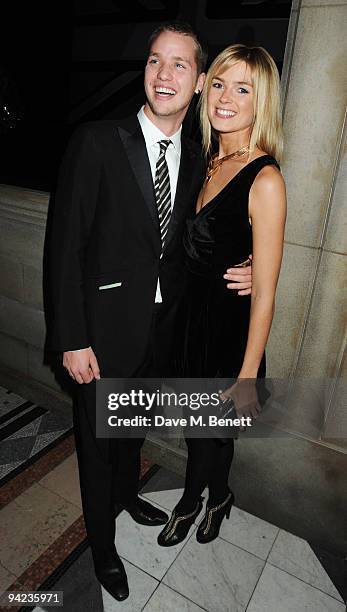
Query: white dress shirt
[[152, 135]]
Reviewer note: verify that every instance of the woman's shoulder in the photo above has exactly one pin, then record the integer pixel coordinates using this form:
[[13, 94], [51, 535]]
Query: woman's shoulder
[[268, 189], [263, 157], [269, 176]]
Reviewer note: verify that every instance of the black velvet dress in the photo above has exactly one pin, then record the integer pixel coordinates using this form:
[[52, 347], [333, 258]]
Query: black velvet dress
[[214, 320]]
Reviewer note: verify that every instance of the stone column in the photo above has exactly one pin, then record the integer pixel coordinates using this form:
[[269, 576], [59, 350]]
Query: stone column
[[308, 335]]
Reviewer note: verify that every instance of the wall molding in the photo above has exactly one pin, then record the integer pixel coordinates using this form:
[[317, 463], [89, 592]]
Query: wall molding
[[24, 205]]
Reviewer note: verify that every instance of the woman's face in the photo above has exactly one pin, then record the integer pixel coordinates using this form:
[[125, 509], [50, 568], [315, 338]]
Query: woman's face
[[230, 99]]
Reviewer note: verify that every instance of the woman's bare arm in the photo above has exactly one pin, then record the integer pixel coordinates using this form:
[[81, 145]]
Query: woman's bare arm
[[267, 211]]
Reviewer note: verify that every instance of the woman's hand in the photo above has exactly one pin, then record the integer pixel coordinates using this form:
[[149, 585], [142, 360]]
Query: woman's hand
[[244, 396]]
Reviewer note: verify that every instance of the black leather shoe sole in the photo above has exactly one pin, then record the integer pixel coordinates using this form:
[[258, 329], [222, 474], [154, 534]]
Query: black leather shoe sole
[[144, 520], [144, 513]]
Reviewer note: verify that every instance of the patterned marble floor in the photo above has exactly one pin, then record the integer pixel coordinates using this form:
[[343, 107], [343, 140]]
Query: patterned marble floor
[[253, 566], [42, 530], [27, 431]]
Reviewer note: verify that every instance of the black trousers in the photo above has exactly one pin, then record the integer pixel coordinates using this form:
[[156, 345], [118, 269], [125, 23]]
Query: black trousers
[[109, 469]]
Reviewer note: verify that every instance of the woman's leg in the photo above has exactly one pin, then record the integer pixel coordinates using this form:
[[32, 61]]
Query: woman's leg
[[199, 462], [209, 464], [219, 475]]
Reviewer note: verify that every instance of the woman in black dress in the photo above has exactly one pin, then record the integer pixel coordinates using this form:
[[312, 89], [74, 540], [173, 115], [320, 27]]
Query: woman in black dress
[[241, 209]]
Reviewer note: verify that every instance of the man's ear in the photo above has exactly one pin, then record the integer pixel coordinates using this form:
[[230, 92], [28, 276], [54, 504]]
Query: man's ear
[[200, 82]]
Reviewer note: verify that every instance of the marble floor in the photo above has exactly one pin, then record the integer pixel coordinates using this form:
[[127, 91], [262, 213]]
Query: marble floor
[[40, 508], [254, 566], [27, 431]]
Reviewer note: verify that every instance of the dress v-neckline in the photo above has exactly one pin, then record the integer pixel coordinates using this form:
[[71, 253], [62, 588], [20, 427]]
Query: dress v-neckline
[[229, 183]]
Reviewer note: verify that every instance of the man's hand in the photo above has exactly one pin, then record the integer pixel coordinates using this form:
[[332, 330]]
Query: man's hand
[[82, 365], [241, 278]]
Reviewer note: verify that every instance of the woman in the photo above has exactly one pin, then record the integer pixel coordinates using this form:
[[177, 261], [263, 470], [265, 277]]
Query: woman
[[241, 209]]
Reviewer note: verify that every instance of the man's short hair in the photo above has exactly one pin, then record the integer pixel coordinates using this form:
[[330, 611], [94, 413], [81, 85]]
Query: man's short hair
[[181, 27]]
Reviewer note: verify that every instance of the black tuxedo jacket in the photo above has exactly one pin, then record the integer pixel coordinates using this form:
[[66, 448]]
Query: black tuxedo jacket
[[105, 247]]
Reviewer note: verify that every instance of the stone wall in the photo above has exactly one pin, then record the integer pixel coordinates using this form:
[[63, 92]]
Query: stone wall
[[308, 337], [23, 215]]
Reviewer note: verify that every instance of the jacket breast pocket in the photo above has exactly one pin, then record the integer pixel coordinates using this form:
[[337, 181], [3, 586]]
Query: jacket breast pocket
[[110, 286]]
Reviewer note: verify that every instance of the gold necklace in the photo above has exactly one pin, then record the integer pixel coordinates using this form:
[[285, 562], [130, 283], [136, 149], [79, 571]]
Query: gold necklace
[[215, 164]]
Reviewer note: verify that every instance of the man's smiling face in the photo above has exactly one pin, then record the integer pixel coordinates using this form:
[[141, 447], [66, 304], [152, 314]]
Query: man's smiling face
[[171, 76]]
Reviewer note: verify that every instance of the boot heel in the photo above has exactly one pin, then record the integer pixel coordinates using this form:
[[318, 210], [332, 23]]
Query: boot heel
[[227, 513]]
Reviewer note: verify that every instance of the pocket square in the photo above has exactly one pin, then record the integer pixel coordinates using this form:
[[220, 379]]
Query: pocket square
[[111, 286]]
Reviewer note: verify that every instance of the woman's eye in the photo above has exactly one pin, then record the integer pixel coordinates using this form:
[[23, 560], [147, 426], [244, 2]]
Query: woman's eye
[[217, 85], [243, 90]]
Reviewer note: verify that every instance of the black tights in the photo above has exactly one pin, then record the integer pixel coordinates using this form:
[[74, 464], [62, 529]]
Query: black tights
[[208, 464]]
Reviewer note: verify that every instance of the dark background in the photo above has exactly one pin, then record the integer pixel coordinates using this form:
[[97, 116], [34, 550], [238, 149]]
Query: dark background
[[63, 63]]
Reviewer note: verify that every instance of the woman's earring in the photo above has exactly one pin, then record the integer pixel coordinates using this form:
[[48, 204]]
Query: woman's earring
[[197, 91]]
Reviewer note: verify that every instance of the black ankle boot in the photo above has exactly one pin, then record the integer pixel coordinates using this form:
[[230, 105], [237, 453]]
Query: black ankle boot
[[209, 527], [177, 528]]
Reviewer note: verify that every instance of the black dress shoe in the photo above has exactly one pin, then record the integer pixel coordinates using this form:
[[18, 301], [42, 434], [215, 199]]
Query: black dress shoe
[[143, 512], [209, 527], [178, 526], [112, 576]]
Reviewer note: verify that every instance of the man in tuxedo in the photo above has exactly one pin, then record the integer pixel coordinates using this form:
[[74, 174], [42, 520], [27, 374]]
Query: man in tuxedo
[[125, 189]]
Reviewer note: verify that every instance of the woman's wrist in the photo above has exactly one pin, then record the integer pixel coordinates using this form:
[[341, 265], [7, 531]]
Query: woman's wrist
[[248, 373]]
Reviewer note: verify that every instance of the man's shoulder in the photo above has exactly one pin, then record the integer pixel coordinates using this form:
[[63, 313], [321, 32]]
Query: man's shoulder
[[194, 149], [191, 144], [106, 126]]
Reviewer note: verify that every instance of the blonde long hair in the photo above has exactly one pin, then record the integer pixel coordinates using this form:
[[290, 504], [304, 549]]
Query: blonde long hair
[[266, 130]]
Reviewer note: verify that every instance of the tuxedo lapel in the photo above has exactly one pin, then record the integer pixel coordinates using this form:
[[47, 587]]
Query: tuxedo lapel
[[135, 148], [183, 190]]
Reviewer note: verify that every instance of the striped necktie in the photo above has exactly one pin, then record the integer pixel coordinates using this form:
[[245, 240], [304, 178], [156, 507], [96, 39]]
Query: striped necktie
[[162, 190]]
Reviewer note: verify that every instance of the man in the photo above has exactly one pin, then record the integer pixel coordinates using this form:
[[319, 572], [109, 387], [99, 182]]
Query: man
[[124, 192]]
